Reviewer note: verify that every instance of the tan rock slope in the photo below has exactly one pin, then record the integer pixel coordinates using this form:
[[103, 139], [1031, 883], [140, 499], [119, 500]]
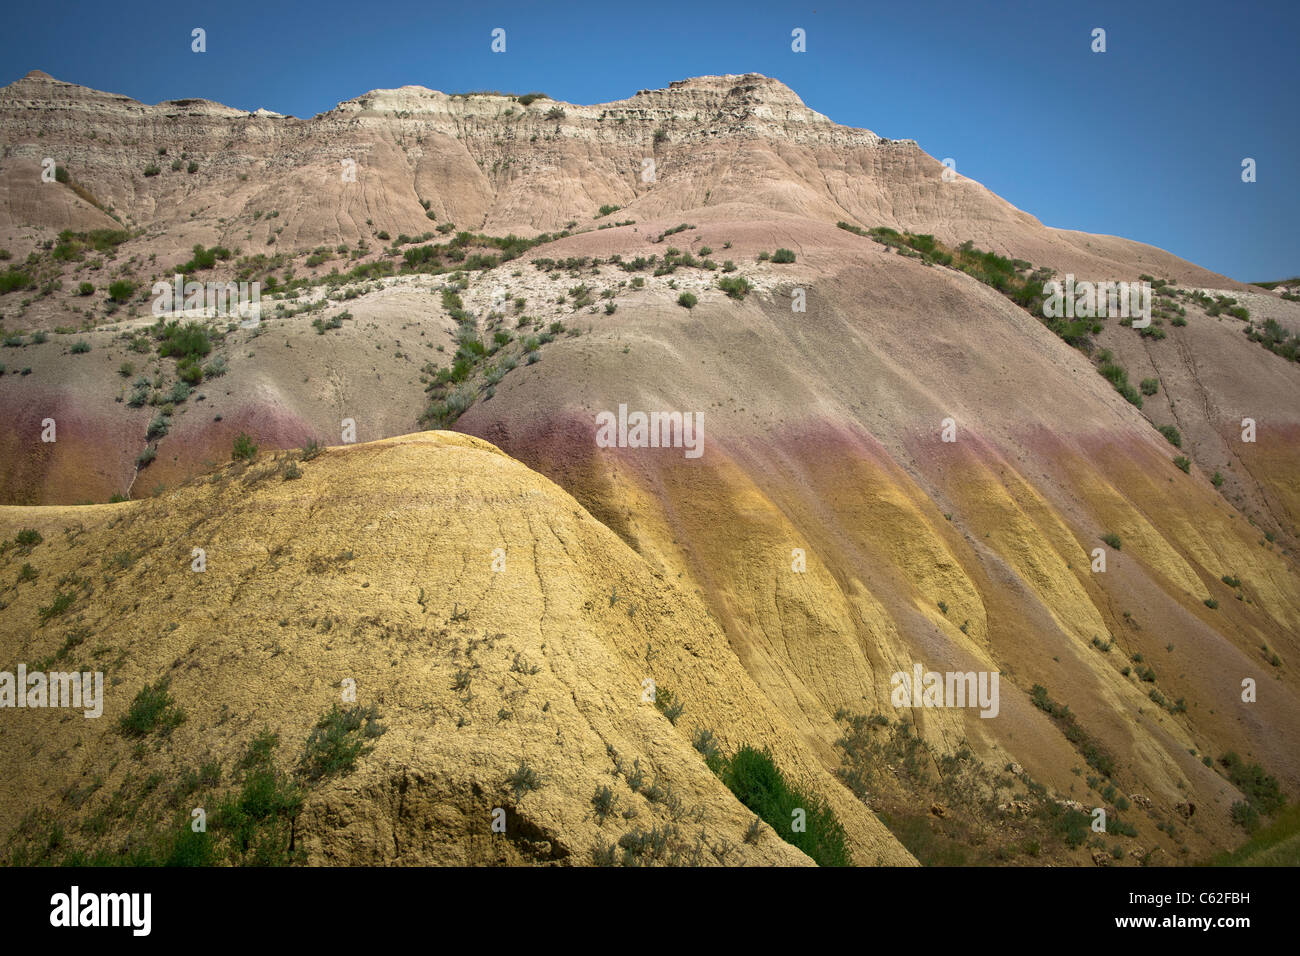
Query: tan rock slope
[[361, 570]]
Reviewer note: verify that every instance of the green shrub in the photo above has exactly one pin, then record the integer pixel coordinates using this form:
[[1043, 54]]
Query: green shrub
[[189, 371], [1260, 789], [86, 288], [758, 783], [687, 300], [255, 823], [604, 801], [783, 256], [523, 780], [80, 347], [709, 747], [28, 538], [244, 449], [338, 740], [158, 427], [152, 711], [1111, 539], [1245, 816], [120, 291], [735, 286], [1183, 462], [1171, 435], [1150, 386]]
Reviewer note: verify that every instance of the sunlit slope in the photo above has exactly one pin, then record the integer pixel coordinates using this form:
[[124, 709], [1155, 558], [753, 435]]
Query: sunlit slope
[[376, 566], [823, 432]]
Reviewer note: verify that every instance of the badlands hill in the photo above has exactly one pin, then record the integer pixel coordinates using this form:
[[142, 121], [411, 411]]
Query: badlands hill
[[502, 265]]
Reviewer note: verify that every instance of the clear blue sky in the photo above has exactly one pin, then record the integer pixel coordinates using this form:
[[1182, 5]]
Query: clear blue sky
[[1144, 141]]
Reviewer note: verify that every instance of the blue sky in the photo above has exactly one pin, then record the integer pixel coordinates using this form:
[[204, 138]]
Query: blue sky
[[1144, 141]]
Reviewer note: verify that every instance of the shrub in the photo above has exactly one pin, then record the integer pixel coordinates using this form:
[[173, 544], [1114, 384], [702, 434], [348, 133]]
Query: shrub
[[1150, 386], [1217, 480], [339, 740], [152, 711], [669, 706], [604, 802], [182, 342], [523, 780], [189, 371], [158, 427], [709, 747], [783, 256], [1212, 604], [1171, 435], [1261, 790], [1111, 539], [1183, 462], [737, 287], [86, 288], [152, 170], [758, 783], [1245, 816], [257, 820], [28, 538], [687, 300], [244, 449], [120, 291], [80, 347]]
